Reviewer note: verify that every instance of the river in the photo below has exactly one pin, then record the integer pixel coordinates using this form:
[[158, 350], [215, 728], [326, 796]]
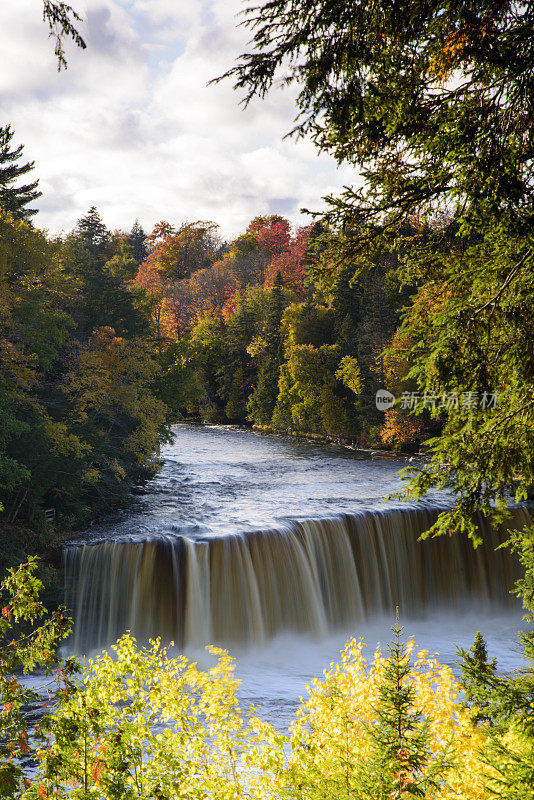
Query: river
[[281, 549]]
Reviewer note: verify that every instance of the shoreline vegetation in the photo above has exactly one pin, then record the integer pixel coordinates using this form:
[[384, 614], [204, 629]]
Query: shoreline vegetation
[[350, 443], [347, 442]]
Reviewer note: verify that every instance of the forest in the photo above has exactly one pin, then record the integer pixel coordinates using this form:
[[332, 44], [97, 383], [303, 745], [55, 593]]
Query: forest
[[109, 336], [418, 282]]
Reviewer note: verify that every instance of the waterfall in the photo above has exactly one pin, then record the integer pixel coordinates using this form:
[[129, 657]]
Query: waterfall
[[312, 576]]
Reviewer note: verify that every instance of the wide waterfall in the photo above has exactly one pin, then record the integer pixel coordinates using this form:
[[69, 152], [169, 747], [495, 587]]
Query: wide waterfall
[[311, 576]]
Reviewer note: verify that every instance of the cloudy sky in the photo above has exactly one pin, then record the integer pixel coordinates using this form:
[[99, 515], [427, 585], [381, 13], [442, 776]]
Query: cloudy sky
[[132, 127]]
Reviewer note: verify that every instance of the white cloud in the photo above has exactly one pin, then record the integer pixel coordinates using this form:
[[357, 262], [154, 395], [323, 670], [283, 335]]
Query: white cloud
[[133, 128]]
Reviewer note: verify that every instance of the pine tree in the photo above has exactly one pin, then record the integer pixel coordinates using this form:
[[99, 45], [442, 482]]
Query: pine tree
[[401, 762], [235, 408], [263, 399], [93, 231], [15, 198], [137, 239], [477, 672], [506, 704], [238, 370], [61, 19], [104, 296]]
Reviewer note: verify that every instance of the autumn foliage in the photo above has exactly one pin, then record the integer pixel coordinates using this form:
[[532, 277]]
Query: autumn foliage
[[189, 274], [146, 722]]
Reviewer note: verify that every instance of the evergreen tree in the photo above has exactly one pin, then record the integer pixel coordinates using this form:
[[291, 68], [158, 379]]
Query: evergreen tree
[[505, 706], [477, 674], [104, 299], [15, 198], [137, 239], [507, 703], [94, 233], [207, 343], [386, 730], [401, 763], [238, 372], [236, 405], [61, 19]]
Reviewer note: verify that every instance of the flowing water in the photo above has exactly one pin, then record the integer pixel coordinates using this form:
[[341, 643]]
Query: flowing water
[[280, 549]]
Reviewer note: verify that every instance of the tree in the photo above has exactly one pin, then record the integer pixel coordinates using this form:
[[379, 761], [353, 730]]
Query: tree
[[29, 638], [115, 411], [248, 260], [478, 673], [373, 83], [34, 328], [269, 349], [93, 231], [503, 707], [61, 19], [157, 292], [177, 253], [104, 295], [123, 264], [137, 239], [145, 725], [273, 236], [434, 104], [15, 198], [401, 760], [238, 371], [388, 729], [314, 379], [207, 348], [79, 420], [290, 263], [402, 430]]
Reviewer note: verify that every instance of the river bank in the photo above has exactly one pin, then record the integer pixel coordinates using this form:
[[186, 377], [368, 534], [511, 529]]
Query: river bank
[[349, 442]]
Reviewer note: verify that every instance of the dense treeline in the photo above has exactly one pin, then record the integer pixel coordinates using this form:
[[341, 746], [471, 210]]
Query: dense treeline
[[108, 336], [254, 332], [80, 417]]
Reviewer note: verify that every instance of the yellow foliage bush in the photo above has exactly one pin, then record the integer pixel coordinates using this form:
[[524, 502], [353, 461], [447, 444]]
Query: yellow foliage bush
[[145, 725], [331, 743]]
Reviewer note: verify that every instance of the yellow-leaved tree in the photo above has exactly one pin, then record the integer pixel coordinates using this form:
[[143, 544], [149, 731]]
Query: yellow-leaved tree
[[146, 725], [389, 729]]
